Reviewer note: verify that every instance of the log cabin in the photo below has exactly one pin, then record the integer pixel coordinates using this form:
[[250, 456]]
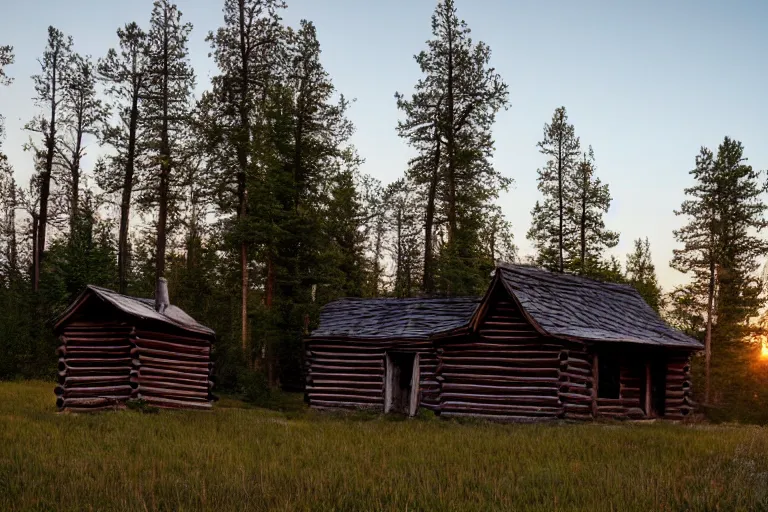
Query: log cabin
[[537, 346], [114, 348]]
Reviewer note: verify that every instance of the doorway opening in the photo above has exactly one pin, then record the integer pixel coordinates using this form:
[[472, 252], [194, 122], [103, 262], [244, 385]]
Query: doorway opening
[[401, 383]]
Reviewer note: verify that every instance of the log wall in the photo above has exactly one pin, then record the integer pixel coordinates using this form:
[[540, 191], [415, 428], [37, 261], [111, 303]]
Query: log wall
[[94, 366], [349, 373], [172, 370], [679, 402], [508, 371]]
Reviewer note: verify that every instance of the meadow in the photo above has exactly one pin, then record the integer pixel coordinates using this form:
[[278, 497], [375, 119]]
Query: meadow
[[239, 457]]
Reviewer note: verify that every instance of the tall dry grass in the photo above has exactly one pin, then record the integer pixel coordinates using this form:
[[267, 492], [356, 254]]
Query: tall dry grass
[[237, 458]]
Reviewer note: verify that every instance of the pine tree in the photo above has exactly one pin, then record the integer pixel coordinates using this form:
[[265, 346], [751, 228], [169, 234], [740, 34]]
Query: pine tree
[[124, 73], [403, 218], [55, 66], [585, 234], [720, 247], [246, 51], [168, 104], [549, 226], [6, 59], [448, 120], [82, 114], [641, 273]]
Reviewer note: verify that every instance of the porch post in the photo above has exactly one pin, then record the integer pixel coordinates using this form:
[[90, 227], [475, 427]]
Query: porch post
[[595, 383], [648, 393]]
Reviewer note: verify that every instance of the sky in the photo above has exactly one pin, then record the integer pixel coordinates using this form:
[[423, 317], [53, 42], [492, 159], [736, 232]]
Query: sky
[[646, 84]]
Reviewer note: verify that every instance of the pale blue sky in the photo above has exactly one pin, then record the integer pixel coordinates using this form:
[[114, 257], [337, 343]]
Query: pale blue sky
[[645, 83]]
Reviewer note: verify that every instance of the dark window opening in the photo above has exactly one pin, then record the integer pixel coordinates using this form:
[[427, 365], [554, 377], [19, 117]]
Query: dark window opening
[[608, 373]]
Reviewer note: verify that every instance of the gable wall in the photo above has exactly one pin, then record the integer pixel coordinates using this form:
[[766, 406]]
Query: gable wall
[[507, 370]]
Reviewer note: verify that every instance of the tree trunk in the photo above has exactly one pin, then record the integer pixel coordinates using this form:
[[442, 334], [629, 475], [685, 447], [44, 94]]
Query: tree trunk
[[165, 165], [451, 139], [125, 202], [583, 226], [74, 200], [429, 278], [560, 266], [243, 143], [45, 185], [708, 336]]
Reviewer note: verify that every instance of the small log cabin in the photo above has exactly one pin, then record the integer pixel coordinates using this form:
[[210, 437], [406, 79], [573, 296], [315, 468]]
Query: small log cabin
[[114, 348], [537, 346]]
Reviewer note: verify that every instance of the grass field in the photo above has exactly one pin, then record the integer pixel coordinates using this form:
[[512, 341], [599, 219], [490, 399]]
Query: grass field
[[240, 458]]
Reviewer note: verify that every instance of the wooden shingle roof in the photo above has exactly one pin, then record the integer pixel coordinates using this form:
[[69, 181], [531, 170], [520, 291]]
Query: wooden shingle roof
[[136, 307], [414, 318], [569, 306]]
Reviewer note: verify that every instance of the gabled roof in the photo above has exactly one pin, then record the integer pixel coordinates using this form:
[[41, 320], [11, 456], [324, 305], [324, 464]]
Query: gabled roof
[[569, 306], [136, 307], [414, 318]]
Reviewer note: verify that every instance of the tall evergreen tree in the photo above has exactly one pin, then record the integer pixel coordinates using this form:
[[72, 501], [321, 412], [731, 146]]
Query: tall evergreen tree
[[448, 120], [587, 200], [55, 66], [246, 51], [82, 114], [720, 246], [124, 73], [549, 226], [6, 59], [403, 207], [170, 80], [641, 273]]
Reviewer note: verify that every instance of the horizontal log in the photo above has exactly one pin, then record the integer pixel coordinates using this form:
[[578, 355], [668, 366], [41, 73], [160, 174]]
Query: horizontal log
[[522, 409], [160, 362], [173, 384], [325, 362], [505, 370], [577, 408], [513, 387], [163, 354], [89, 402], [92, 352], [94, 391], [482, 379], [167, 346], [95, 341], [65, 370], [148, 370], [348, 397], [548, 362], [168, 392], [575, 397], [318, 368], [543, 400], [572, 377], [176, 404], [95, 361], [351, 354], [73, 380], [348, 405]]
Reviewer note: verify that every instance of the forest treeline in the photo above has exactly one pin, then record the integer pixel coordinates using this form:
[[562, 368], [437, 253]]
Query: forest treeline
[[249, 198]]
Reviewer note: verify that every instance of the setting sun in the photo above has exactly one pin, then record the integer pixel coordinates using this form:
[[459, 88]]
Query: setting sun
[[764, 351]]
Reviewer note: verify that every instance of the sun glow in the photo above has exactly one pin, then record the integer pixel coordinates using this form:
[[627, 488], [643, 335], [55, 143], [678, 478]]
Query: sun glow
[[764, 351]]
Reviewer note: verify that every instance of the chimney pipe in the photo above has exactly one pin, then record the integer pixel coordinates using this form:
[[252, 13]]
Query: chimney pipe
[[161, 295]]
